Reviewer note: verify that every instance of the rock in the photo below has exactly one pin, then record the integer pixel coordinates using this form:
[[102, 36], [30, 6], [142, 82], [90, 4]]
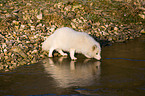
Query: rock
[[23, 62], [39, 16], [52, 28], [15, 11], [104, 33], [17, 27], [32, 27], [6, 57], [34, 51], [15, 22], [142, 16], [115, 28], [34, 60], [5, 50], [22, 26], [19, 51], [142, 31], [131, 37], [76, 6], [110, 38]]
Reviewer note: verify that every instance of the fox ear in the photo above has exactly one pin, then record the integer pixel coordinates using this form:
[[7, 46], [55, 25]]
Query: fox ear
[[94, 47]]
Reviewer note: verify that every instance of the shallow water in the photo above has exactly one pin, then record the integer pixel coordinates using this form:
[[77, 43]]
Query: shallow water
[[120, 73]]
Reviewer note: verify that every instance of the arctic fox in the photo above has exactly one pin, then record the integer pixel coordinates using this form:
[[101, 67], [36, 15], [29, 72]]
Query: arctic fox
[[67, 39]]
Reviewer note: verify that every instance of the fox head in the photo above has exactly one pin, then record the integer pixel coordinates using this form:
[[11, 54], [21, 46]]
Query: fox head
[[95, 52]]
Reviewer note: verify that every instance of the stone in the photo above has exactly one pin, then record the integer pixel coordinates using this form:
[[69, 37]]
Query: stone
[[142, 31], [39, 16]]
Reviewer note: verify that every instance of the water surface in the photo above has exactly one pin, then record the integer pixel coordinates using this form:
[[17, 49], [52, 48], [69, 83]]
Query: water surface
[[120, 73]]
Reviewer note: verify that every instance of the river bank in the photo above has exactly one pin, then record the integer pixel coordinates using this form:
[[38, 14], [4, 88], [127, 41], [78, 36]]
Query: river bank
[[118, 74], [26, 24]]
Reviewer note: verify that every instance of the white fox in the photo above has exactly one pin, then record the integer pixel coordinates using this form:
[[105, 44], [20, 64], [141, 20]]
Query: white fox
[[67, 39]]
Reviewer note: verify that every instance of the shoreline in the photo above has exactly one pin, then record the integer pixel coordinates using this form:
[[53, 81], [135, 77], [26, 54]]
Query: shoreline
[[25, 25]]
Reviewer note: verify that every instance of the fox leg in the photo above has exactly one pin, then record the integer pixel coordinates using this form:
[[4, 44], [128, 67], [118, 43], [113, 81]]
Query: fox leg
[[62, 53], [72, 52], [50, 52]]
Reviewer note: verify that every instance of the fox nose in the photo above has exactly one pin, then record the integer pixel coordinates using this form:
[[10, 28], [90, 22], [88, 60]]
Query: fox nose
[[98, 57]]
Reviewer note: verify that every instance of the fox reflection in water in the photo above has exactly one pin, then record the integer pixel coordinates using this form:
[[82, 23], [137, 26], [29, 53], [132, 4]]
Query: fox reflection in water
[[69, 73]]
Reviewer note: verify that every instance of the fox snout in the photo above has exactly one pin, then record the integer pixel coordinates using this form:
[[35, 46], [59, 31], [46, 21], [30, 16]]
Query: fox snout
[[98, 57]]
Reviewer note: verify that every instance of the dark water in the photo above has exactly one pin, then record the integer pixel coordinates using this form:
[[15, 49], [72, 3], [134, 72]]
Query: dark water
[[120, 73]]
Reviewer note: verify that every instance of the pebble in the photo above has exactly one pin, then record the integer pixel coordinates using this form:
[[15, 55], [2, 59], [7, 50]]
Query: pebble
[[34, 51], [39, 16], [142, 31], [115, 28]]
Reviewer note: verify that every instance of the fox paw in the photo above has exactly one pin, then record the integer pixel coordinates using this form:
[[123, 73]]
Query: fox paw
[[50, 56], [74, 58], [65, 54]]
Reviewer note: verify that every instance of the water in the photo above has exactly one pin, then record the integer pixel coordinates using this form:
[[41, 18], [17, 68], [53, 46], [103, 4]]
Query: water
[[120, 73]]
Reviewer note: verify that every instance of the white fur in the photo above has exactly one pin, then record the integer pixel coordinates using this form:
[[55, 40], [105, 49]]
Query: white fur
[[68, 39]]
